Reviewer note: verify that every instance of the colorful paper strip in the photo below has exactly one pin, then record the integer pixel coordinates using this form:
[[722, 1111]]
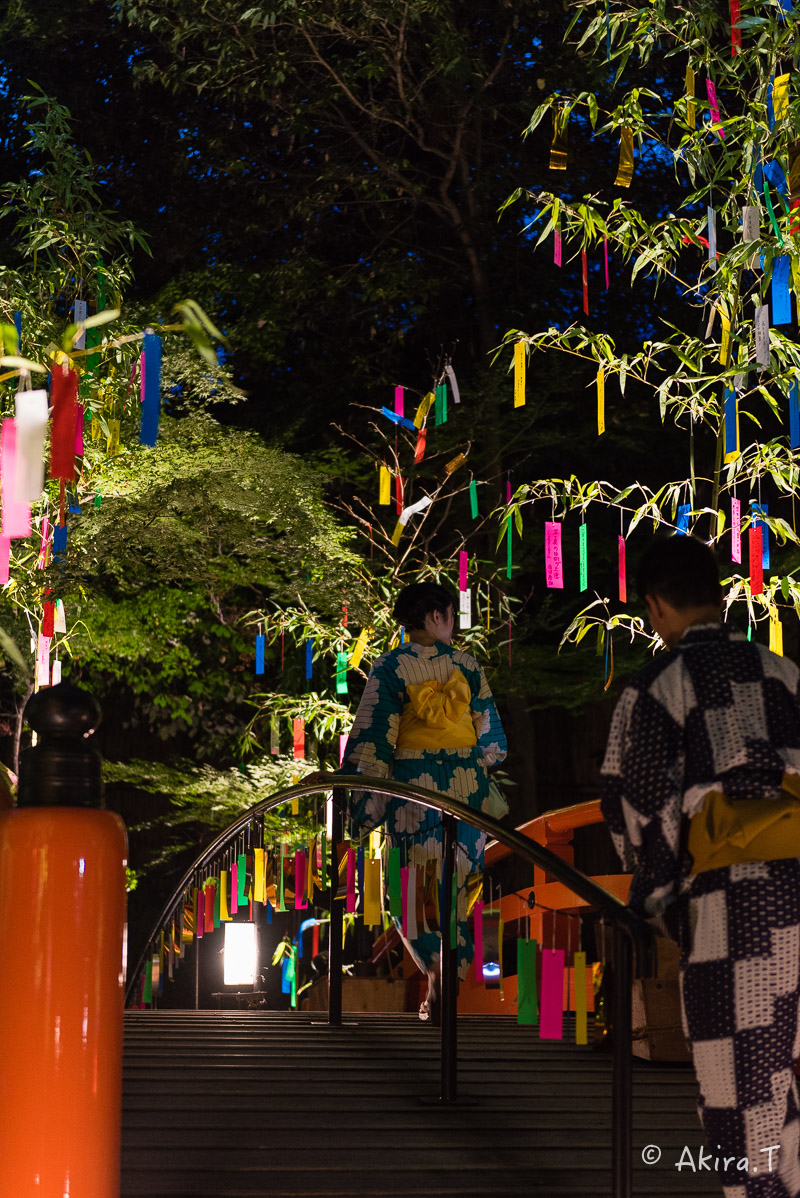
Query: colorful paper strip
[[551, 1016], [151, 389], [583, 558], [554, 565], [736, 530], [519, 374], [527, 998], [756, 556], [622, 581]]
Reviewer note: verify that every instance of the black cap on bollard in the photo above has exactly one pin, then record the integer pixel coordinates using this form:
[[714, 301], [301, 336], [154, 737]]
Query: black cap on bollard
[[62, 769]]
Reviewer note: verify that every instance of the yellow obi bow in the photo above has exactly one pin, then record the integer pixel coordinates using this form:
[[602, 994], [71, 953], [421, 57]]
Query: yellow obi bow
[[729, 833], [437, 716]]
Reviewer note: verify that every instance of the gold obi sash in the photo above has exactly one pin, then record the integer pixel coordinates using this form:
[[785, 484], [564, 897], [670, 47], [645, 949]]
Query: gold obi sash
[[728, 832], [438, 716]]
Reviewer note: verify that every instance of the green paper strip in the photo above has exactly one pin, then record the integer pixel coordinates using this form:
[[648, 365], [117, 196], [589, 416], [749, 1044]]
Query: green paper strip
[[281, 902], [341, 673], [395, 893], [473, 500], [583, 555], [98, 499], [294, 979], [241, 875], [508, 547], [527, 997], [147, 996], [217, 892], [771, 211], [440, 401]]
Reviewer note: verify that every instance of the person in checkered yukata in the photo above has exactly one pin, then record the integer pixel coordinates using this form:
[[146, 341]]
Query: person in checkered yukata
[[713, 725]]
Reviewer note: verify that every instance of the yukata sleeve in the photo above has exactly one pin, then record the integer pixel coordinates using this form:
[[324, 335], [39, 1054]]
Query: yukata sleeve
[[488, 728], [371, 743], [642, 789]]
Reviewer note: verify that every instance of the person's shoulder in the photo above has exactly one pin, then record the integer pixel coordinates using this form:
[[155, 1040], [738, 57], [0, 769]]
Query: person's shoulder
[[463, 660], [662, 663], [775, 665]]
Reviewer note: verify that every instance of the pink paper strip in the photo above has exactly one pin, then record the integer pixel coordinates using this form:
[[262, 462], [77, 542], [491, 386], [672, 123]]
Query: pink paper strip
[[404, 897], [42, 562], [478, 938], [342, 746], [736, 530], [714, 107], [43, 659], [79, 429], [508, 490], [463, 563], [551, 1023], [351, 882], [201, 914], [605, 258], [554, 566], [411, 903], [5, 559], [234, 907], [16, 517], [557, 248], [623, 582], [141, 377], [300, 896], [399, 406]]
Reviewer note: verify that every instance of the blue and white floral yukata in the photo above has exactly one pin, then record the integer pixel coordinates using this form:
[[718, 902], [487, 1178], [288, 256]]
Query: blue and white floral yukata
[[432, 696]]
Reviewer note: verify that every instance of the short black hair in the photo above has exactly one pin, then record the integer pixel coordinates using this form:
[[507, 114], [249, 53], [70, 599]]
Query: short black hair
[[419, 600], [680, 569]]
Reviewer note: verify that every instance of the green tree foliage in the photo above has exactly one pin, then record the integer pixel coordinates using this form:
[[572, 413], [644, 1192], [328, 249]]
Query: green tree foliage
[[726, 160]]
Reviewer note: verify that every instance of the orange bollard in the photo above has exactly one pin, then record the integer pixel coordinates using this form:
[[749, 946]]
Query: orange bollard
[[62, 916]]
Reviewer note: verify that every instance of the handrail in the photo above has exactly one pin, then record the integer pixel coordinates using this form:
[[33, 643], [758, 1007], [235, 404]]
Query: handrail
[[596, 896], [630, 932]]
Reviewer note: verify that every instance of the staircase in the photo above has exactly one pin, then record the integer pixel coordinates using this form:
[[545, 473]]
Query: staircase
[[229, 1103]]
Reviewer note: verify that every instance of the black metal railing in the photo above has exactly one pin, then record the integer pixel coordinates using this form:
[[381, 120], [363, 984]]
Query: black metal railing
[[631, 934]]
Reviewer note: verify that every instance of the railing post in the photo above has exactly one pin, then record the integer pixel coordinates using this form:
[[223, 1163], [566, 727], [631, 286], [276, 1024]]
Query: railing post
[[336, 907], [449, 962], [622, 1077], [196, 971], [62, 918]]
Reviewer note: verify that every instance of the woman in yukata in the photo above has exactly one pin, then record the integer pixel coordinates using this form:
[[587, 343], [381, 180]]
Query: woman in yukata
[[427, 717]]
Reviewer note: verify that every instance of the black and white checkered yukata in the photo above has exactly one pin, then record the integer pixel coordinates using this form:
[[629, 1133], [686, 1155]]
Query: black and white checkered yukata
[[719, 713]]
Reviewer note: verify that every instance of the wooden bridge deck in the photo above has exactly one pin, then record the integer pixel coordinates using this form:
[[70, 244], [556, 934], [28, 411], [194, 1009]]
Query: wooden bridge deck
[[230, 1103]]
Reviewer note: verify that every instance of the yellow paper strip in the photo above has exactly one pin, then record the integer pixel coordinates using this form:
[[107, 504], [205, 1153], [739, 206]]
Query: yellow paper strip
[[398, 532], [558, 149], [691, 109], [579, 970], [259, 877], [372, 891], [385, 487], [780, 97], [625, 169], [358, 648], [519, 374], [775, 633], [720, 523], [223, 897], [725, 340], [601, 401], [112, 442], [423, 409]]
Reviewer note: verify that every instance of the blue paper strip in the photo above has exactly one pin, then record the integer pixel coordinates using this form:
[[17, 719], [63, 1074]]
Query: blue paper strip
[[151, 401], [683, 519], [18, 327], [261, 641], [730, 420], [781, 300], [770, 109], [396, 419], [777, 176], [59, 543], [269, 911], [794, 417], [309, 659], [72, 502], [762, 509]]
